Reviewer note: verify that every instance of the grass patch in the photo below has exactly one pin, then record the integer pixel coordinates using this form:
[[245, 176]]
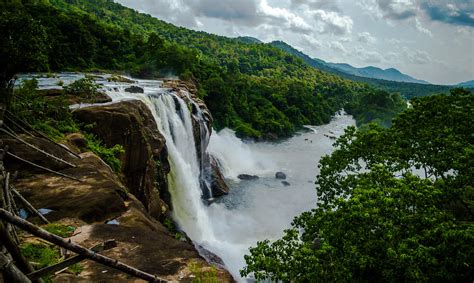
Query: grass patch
[[44, 255], [60, 230], [203, 273]]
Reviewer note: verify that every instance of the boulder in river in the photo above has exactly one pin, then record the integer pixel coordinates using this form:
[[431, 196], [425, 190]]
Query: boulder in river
[[218, 185], [285, 183], [280, 175], [247, 177], [134, 89]]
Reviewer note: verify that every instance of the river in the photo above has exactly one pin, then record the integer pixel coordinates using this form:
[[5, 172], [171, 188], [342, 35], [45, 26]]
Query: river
[[261, 209]]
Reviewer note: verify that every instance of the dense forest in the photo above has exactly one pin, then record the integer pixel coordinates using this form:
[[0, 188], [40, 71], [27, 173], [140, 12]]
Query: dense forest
[[407, 90], [256, 89], [394, 204]]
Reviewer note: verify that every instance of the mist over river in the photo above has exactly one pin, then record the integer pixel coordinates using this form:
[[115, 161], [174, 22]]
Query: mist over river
[[261, 209]]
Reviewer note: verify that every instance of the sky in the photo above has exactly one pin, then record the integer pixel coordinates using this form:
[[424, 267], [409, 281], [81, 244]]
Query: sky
[[432, 40]]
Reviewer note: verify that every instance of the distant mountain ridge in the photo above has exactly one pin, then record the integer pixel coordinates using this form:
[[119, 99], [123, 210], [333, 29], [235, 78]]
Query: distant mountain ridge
[[469, 84], [390, 74], [407, 89]]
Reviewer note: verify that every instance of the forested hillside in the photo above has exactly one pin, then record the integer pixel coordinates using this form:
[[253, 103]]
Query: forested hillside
[[408, 90], [257, 89]]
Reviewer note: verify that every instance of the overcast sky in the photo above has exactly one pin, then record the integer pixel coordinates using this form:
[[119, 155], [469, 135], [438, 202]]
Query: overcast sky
[[431, 40]]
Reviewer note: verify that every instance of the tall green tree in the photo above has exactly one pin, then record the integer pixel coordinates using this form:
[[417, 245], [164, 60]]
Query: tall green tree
[[23, 45], [393, 204]]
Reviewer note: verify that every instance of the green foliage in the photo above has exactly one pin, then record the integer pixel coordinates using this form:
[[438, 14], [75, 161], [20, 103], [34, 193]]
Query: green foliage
[[23, 45], [108, 155], [407, 90], [85, 88], [376, 106], [377, 221], [51, 116], [61, 230]]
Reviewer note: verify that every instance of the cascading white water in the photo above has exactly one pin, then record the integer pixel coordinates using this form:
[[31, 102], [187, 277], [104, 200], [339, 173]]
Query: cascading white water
[[173, 119]]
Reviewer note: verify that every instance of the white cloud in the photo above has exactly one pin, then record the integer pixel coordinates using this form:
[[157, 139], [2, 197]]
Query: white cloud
[[389, 9], [334, 22], [368, 56], [338, 47], [421, 29], [418, 57], [366, 37], [310, 43], [330, 5], [290, 20]]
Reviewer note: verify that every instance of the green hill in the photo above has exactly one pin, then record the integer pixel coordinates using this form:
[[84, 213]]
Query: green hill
[[408, 90], [256, 89]]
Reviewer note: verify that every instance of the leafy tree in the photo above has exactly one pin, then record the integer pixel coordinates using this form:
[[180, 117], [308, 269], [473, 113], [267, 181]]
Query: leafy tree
[[22, 45], [378, 217]]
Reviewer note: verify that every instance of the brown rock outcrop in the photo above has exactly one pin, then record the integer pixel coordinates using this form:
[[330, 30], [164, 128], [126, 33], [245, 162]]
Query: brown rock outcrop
[[142, 241], [218, 184], [99, 196], [144, 163]]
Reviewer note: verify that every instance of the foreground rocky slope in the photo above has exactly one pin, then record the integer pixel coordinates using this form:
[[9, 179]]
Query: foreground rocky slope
[[129, 207]]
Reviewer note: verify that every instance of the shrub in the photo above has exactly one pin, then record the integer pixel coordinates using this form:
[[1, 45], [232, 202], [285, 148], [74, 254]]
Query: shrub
[[85, 88], [108, 154]]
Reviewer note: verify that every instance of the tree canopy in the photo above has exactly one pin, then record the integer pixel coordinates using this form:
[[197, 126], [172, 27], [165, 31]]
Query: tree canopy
[[394, 204]]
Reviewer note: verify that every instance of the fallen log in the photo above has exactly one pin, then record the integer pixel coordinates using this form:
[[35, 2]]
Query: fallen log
[[80, 250], [13, 135], [44, 168], [10, 272], [7, 241], [28, 205], [42, 134]]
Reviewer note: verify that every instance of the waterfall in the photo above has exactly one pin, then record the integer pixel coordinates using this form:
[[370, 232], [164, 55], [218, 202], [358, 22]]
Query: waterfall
[[174, 120]]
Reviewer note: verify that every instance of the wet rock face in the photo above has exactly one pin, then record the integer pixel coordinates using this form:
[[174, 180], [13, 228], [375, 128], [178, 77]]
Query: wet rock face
[[218, 184], [280, 175], [285, 183], [247, 177], [134, 89], [142, 241], [145, 161]]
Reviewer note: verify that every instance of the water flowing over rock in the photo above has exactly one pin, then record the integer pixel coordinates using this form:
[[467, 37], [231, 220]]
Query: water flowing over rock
[[165, 133]]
